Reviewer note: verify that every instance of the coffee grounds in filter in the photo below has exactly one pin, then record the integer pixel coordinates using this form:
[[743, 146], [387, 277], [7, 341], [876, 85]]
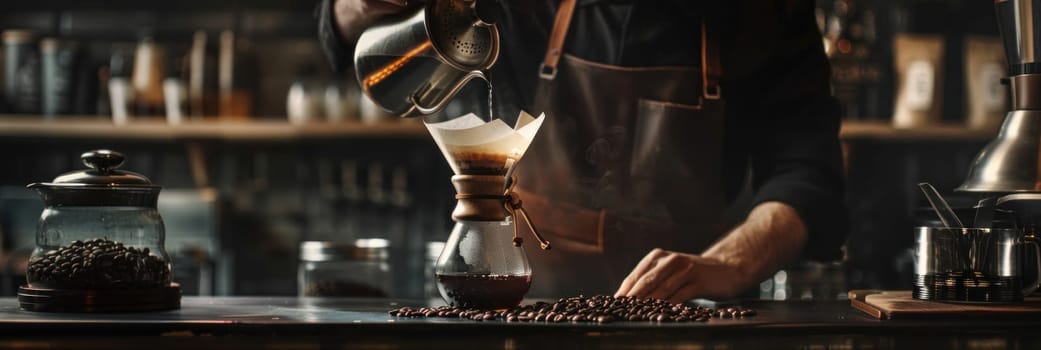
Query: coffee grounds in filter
[[476, 163]]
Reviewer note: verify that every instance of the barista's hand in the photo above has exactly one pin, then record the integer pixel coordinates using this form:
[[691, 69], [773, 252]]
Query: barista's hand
[[354, 16], [678, 277], [773, 235]]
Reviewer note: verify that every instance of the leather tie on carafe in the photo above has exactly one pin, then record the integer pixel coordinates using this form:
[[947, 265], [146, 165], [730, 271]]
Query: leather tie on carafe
[[513, 205]]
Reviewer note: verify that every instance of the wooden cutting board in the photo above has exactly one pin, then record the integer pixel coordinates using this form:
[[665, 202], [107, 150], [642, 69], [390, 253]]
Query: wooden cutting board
[[900, 305]]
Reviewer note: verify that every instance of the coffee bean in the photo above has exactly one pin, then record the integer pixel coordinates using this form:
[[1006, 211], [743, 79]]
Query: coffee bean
[[88, 264], [599, 309]]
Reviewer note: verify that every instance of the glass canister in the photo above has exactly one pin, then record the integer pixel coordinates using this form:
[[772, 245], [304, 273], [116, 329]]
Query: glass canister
[[345, 269], [99, 243]]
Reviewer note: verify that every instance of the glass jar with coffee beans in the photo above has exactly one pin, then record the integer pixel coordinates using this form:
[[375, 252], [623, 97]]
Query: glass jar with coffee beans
[[345, 269], [100, 243]]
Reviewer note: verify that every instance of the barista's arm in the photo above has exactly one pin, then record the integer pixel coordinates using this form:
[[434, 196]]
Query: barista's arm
[[341, 22], [772, 235], [792, 136]]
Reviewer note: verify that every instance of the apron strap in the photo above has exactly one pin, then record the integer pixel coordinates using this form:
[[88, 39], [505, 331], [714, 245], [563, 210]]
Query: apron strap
[[548, 69], [711, 70]]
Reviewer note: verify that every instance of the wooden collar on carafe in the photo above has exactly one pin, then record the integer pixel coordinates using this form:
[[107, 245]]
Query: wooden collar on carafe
[[491, 198]]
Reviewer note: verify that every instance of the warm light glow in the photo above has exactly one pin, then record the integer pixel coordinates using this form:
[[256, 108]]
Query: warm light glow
[[382, 73]]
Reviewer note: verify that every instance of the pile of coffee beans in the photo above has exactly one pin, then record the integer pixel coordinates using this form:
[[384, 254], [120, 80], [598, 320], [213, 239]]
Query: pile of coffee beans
[[98, 263], [596, 309]]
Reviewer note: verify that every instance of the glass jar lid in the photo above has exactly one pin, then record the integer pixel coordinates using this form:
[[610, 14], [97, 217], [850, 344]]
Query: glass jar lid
[[360, 249], [103, 184]]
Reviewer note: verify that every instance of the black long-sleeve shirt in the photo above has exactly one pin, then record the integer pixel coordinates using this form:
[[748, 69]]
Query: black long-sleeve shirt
[[781, 120]]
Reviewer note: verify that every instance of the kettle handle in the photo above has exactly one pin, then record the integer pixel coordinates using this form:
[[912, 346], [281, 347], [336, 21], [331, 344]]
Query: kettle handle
[[486, 11], [432, 96], [1033, 240]]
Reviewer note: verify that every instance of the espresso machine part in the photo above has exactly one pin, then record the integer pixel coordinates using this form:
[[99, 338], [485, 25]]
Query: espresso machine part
[[414, 66], [1023, 208], [1010, 162]]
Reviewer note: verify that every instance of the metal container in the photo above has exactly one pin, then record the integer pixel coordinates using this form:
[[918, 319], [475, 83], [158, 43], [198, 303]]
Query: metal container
[[59, 71], [345, 269], [413, 67], [21, 71], [973, 264]]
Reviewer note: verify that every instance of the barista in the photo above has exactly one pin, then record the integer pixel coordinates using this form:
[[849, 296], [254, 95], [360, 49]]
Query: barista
[[660, 113]]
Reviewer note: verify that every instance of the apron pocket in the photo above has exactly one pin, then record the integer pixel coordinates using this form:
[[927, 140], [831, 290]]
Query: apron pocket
[[675, 170]]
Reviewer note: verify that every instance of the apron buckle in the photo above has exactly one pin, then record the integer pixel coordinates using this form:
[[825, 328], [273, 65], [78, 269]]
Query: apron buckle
[[712, 92], [547, 72]]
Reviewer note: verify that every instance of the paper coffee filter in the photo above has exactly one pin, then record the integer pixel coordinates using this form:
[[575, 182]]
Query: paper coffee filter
[[471, 145], [471, 130]]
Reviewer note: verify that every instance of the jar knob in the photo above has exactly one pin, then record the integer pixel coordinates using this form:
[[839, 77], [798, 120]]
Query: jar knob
[[102, 160]]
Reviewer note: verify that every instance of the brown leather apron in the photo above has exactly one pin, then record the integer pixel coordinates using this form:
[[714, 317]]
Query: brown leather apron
[[629, 159]]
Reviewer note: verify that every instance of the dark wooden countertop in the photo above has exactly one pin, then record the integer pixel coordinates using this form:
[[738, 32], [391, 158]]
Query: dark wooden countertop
[[251, 322]]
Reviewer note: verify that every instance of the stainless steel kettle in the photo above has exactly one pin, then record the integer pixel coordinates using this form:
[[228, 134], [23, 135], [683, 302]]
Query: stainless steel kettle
[[414, 66]]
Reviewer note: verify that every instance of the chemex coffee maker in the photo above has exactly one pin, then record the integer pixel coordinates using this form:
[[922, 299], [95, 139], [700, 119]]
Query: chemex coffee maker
[[412, 66], [997, 257]]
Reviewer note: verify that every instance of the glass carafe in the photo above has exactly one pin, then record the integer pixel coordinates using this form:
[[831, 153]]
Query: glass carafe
[[481, 267]]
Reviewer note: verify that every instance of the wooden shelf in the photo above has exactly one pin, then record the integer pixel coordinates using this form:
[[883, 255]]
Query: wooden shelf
[[275, 130], [857, 130], [180, 5], [246, 130]]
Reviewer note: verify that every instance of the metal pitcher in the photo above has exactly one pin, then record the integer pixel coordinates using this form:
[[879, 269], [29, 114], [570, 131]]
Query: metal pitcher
[[414, 66]]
